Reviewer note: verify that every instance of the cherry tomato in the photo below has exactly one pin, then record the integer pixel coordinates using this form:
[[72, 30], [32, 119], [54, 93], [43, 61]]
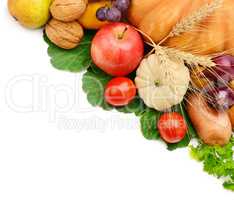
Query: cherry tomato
[[172, 127], [120, 91]]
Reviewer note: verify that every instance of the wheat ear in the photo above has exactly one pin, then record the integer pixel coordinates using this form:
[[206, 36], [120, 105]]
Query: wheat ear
[[188, 23], [190, 59]]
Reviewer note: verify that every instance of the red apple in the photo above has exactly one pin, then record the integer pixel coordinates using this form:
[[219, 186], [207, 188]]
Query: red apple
[[117, 49]]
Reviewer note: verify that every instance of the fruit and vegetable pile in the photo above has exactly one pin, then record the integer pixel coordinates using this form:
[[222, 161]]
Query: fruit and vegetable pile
[[169, 62]]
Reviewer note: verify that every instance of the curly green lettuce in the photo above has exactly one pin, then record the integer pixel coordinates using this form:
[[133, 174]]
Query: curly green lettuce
[[218, 161]]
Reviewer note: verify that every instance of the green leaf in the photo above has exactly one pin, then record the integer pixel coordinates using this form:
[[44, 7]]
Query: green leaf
[[94, 82], [74, 60], [137, 106], [218, 161], [184, 143], [229, 185], [149, 124]]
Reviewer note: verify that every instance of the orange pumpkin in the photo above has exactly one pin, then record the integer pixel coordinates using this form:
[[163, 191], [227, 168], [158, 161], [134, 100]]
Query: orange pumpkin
[[157, 17]]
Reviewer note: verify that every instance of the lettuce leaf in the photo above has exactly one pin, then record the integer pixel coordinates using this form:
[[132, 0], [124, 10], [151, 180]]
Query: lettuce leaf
[[217, 161], [74, 60]]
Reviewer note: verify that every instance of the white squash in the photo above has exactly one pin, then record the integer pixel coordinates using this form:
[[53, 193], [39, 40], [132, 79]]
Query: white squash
[[162, 86]]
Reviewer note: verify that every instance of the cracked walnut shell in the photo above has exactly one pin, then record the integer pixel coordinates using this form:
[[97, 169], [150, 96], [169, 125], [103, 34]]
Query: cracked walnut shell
[[65, 35], [68, 10]]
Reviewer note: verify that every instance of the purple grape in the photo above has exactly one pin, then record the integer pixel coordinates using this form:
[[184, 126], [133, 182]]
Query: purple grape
[[113, 14], [122, 5], [101, 13]]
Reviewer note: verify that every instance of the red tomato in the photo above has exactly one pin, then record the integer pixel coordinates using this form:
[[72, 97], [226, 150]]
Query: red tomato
[[117, 49], [172, 127], [120, 91]]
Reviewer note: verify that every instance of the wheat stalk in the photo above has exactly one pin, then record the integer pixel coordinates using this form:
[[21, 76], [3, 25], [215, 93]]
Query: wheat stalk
[[188, 23], [190, 59], [175, 54], [165, 53], [198, 16]]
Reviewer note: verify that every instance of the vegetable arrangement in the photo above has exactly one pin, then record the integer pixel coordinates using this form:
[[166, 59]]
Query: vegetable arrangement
[[174, 71]]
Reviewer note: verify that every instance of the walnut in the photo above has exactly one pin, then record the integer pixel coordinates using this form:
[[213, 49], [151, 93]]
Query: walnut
[[68, 10], [66, 35]]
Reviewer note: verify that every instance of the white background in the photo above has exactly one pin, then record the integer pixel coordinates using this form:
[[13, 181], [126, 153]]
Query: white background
[[54, 146]]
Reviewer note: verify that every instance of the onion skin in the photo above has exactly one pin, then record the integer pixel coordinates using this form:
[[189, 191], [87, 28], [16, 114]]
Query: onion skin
[[212, 126]]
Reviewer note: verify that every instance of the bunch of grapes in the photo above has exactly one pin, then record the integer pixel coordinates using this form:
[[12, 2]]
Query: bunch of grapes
[[115, 12]]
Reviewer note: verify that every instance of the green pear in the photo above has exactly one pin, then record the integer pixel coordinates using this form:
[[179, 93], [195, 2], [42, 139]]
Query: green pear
[[30, 13]]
